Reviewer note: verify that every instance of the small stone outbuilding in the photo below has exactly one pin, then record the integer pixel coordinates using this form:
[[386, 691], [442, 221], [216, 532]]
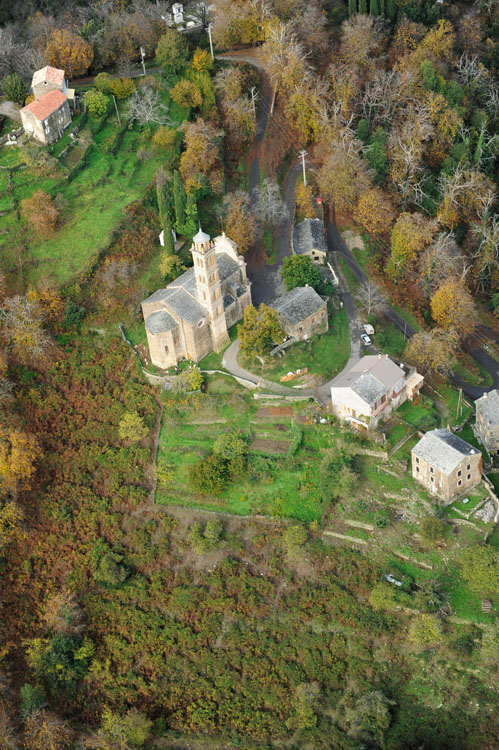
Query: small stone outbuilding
[[308, 239], [487, 420], [47, 79], [446, 465], [301, 312]]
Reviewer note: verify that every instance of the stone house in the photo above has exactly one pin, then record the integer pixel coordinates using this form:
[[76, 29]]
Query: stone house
[[46, 118], [308, 239], [48, 79], [370, 389], [191, 317], [301, 312], [487, 420], [446, 465]]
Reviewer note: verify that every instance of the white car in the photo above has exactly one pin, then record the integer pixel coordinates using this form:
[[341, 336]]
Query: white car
[[366, 340]]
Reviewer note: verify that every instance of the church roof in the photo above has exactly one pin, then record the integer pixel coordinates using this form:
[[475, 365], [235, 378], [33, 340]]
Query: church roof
[[160, 321]]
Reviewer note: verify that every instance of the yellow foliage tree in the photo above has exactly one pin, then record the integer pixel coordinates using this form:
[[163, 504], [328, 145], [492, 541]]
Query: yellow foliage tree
[[440, 40], [186, 94], [19, 452], [452, 307], [430, 352], [198, 163], [49, 298], [11, 518], [411, 234], [305, 200], [374, 211], [45, 731], [239, 222], [69, 52], [446, 122], [201, 60]]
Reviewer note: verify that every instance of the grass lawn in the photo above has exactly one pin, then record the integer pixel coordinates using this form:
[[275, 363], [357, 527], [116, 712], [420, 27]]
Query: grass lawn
[[390, 340], [420, 413], [467, 434], [450, 397], [325, 355], [471, 371], [348, 274]]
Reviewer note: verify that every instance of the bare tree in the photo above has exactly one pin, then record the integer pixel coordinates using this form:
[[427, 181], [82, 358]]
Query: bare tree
[[439, 261], [382, 97], [370, 298], [144, 107], [23, 322], [268, 205]]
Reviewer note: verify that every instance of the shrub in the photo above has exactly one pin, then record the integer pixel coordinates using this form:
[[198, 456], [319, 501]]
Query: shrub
[[102, 82], [204, 541], [425, 630], [132, 427], [109, 571], [432, 529], [41, 213], [96, 102], [14, 88], [210, 475], [122, 87]]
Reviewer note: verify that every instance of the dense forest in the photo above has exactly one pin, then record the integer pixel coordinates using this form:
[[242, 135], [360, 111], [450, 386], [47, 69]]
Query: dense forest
[[128, 623]]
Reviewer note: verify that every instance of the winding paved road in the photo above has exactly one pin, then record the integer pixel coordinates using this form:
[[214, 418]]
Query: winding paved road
[[267, 282]]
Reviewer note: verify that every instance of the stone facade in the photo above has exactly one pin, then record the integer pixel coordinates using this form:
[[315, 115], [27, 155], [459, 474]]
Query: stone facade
[[446, 465], [371, 389], [487, 420], [191, 317], [47, 118]]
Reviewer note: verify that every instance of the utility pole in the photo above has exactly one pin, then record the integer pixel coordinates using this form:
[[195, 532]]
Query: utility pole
[[208, 29], [116, 108], [273, 101], [303, 154], [143, 54], [253, 99]]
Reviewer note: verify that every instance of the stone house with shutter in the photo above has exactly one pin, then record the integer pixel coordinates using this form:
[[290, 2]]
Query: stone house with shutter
[[190, 317], [487, 420], [446, 465], [370, 389], [301, 312], [308, 239]]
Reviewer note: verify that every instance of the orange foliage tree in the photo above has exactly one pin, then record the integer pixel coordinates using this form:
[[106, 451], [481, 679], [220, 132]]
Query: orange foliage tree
[[69, 52], [40, 212]]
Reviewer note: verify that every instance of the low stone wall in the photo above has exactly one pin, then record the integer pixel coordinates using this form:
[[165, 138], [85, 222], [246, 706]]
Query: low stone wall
[[5, 138]]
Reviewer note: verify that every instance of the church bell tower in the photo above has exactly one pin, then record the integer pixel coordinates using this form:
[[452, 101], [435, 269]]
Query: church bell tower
[[209, 289]]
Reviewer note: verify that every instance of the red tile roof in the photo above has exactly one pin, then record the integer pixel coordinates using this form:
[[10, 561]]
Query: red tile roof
[[44, 106], [54, 75]]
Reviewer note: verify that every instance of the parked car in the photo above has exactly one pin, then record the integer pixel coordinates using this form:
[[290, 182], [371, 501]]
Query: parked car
[[366, 340]]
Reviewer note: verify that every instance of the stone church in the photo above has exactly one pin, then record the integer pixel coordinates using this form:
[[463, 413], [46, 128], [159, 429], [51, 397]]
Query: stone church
[[191, 317]]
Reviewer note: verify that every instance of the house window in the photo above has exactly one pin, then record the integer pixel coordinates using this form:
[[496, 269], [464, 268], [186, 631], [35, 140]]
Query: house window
[[417, 459], [432, 470], [300, 329], [459, 473], [469, 476], [417, 469], [459, 483], [166, 350], [468, 467], [432, 479]]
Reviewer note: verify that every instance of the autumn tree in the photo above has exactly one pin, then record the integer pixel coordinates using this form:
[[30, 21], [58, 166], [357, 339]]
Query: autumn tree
[[305, 200], [360, 42], [40, 212], [371, 299], [11, 524], [200, 165], [186, 94], [259, 330], [299, 270], [201, 60], [70, 52], [452, 307], [132, 428], [438, 261], [61, 613], [374, 211], [45, 731], [344, 176], [23, 322], [430, 352], [122, 87], [19, 452], [172, 51], [410, 235], [239, 222]]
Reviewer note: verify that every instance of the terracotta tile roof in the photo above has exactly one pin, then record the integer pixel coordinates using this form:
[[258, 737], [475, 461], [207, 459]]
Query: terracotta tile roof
[[54, 75], [44, 106]]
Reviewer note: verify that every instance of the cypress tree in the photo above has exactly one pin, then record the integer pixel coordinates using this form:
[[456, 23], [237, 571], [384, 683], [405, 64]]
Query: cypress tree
[[168, 236], [178, 200], [381, 7], [352, 8], [190, 226], [390, 11], [374, 8], [160, 193], [363, 7]]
